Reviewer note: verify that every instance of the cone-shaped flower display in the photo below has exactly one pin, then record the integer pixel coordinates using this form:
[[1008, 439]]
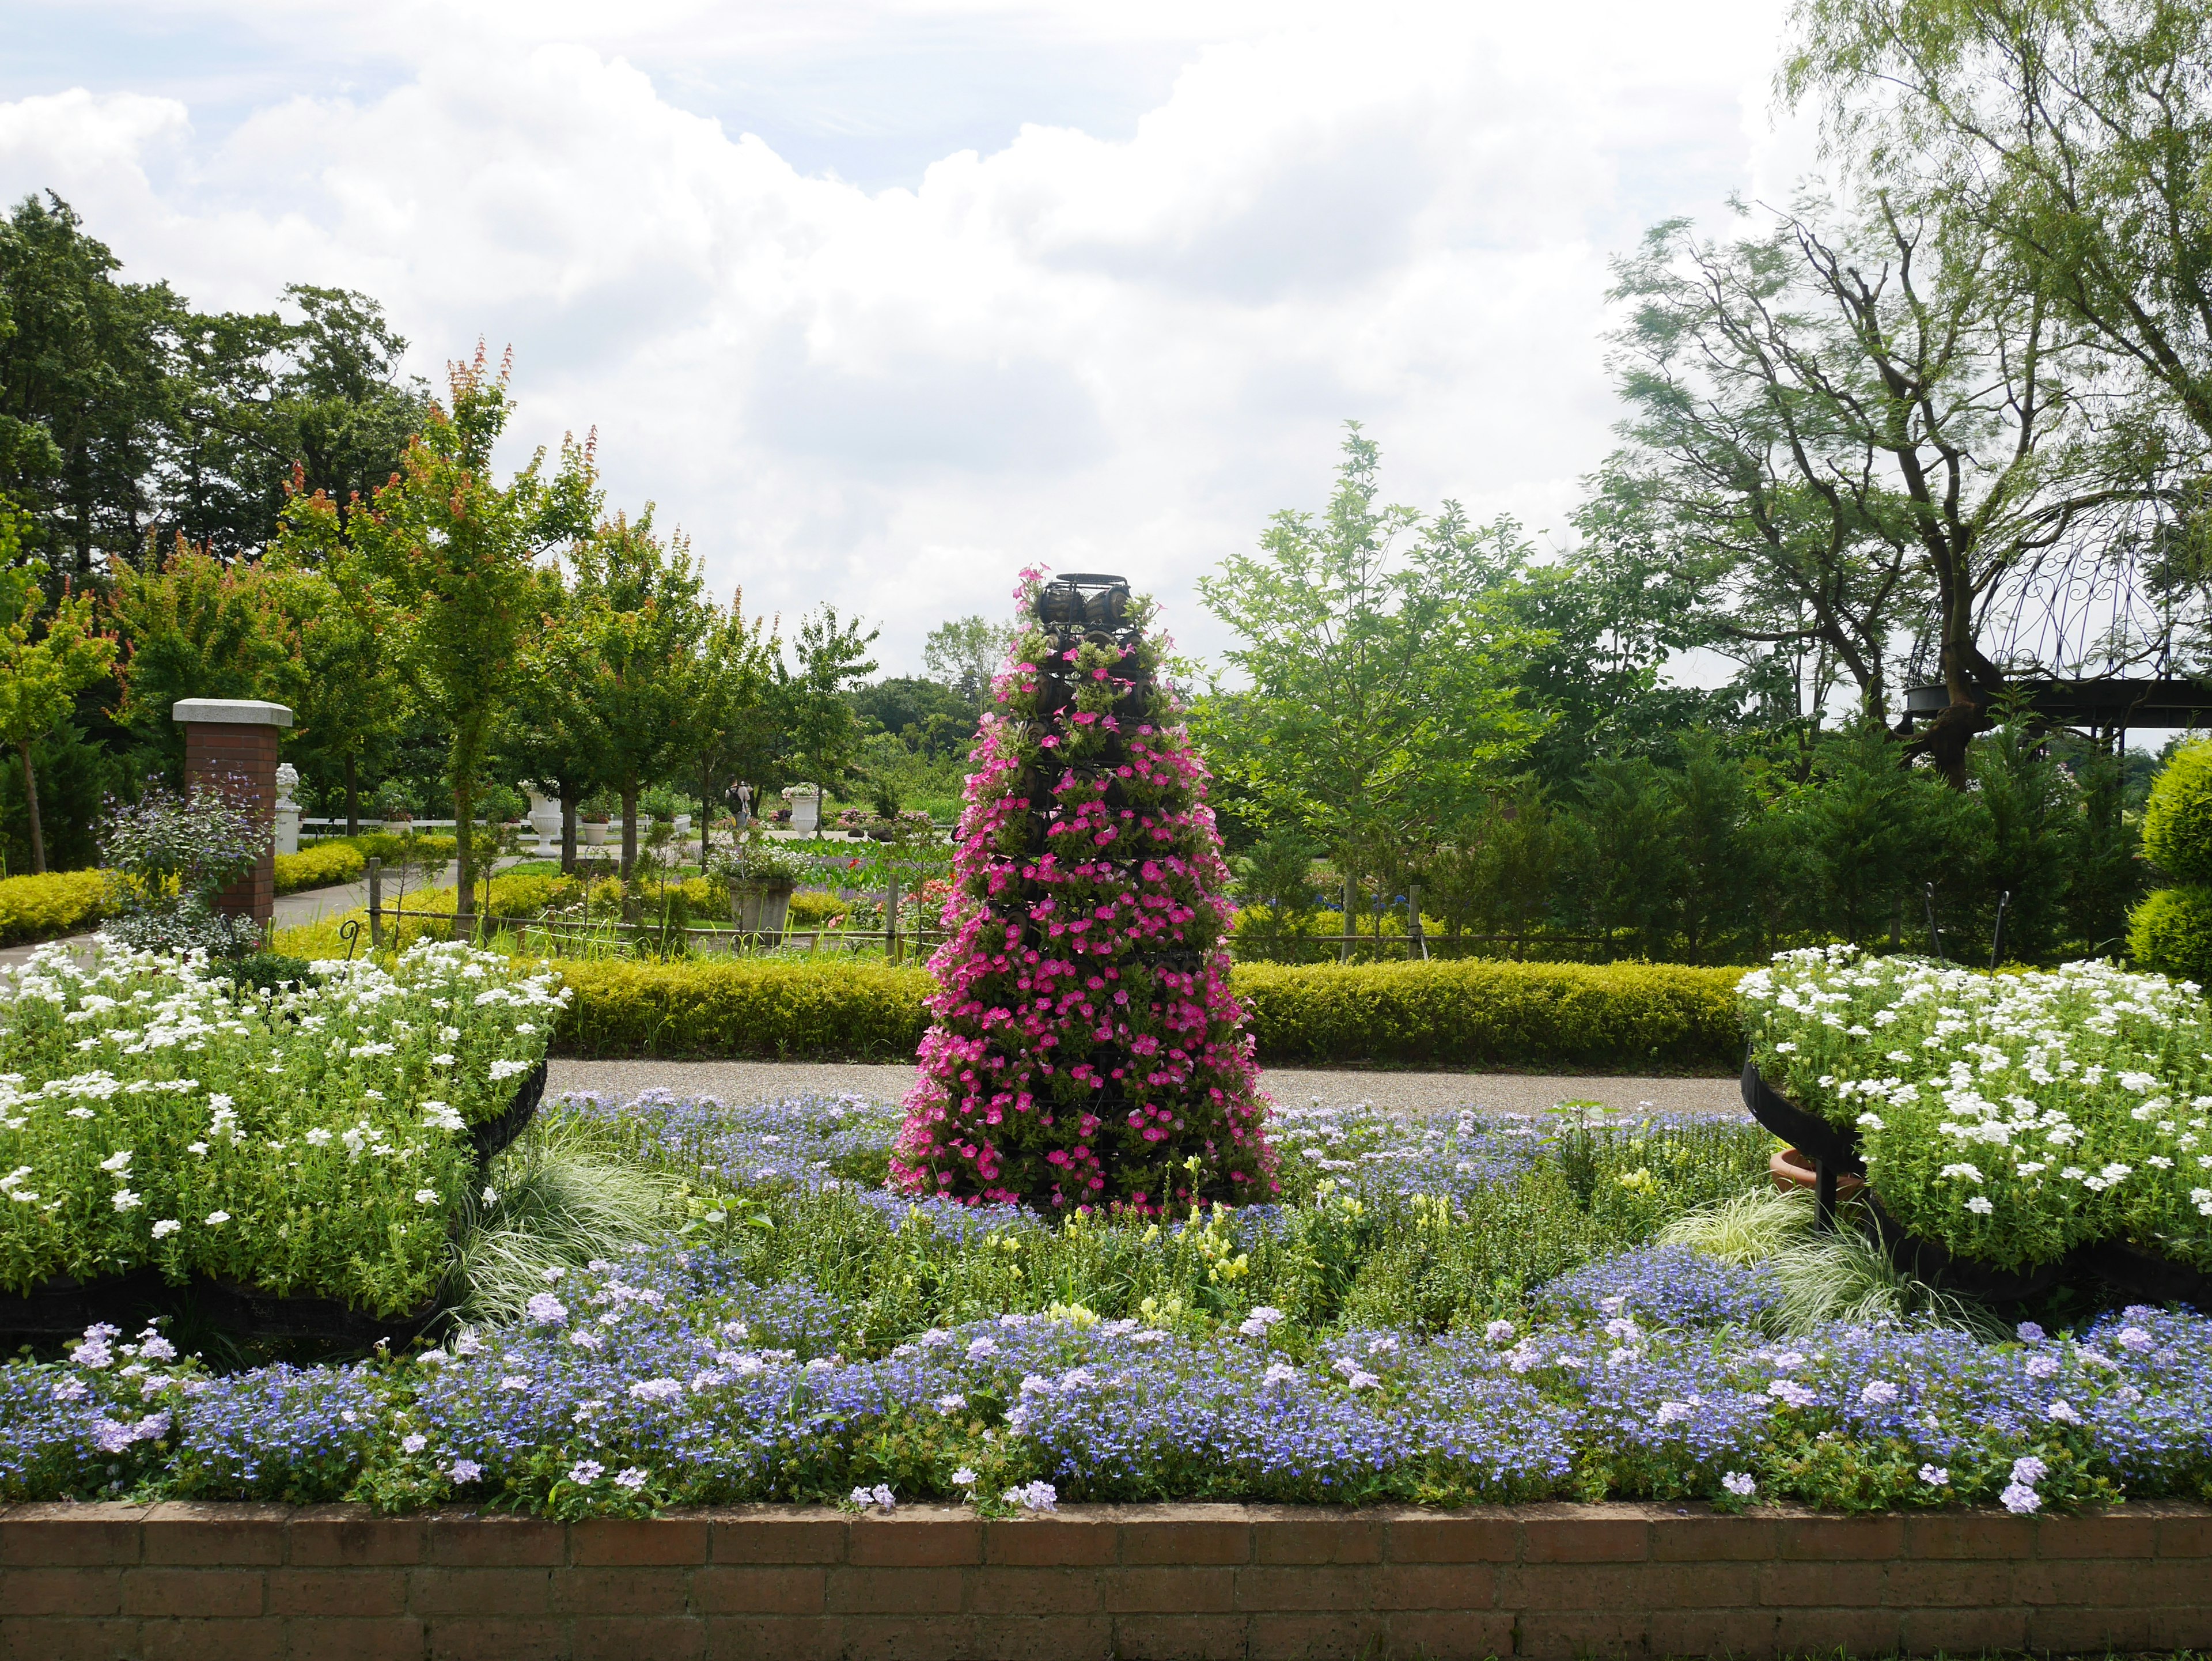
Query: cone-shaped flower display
[[1086, 1050]]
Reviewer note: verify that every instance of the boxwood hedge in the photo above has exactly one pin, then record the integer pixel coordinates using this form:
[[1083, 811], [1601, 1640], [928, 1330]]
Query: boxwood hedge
[[1621, 1016]]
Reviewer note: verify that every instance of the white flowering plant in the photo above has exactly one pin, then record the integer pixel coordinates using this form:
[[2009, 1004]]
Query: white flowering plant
[[313, 1140], [2009, 1117]]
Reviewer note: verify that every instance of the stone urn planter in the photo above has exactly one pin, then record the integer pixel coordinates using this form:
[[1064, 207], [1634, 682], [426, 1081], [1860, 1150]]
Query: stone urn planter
[[544, 816], [593, 833], [806, 801], [760, 908]]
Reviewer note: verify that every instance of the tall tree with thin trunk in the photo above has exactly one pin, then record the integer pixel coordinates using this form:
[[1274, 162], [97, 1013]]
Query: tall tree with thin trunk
[[41, 671], [455, 551]]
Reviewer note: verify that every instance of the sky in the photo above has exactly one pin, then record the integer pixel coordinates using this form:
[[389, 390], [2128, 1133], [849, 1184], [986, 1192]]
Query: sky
[[880, 303]]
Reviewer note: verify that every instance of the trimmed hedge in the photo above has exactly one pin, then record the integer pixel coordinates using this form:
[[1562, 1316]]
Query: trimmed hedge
[[45, 907], [1618, 1017], [1478, 1012], [755, 1008], [320, 866]]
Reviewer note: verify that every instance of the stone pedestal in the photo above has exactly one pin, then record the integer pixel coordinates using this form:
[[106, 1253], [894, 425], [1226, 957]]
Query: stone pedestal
[[287, 811], [231, 744]]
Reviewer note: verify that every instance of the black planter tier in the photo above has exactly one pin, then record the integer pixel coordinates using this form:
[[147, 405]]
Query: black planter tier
[[2142, 1275], [63, 1308]]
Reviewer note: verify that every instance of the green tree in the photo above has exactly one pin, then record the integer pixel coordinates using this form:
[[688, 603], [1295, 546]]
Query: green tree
[[1626, 868], [1379, 695], [822, 730], [638, 621], [454, 550], [963, 655], [733, 714], [41, 671]]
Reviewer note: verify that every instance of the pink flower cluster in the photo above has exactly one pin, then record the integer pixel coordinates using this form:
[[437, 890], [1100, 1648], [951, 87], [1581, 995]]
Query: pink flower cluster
[[1086, 1051]]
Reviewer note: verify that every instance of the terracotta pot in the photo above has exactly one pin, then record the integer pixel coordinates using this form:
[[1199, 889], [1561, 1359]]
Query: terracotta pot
[[1791, 1169]]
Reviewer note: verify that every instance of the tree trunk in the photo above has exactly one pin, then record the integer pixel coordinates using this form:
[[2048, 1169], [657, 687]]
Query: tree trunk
[[31, 810], [630, 830], [464, 899], [706, 818], [353, 796], [570, 797]]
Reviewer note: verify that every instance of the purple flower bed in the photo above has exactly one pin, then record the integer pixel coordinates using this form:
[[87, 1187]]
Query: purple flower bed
[[705, 1370]]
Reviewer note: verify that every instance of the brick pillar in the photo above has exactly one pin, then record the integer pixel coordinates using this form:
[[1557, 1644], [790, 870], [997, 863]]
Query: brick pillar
[[231, 743]]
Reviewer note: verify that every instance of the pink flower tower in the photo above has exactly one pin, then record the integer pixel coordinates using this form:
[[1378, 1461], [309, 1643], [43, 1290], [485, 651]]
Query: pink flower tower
[[1086, 1052]]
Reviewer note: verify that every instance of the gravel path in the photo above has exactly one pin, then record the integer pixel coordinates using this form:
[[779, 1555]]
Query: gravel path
[[1409, 1093]]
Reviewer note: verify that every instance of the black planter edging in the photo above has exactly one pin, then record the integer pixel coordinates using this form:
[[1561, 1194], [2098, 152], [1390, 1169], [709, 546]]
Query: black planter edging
[[62, 1307], [2135, 1273], [493, 1136]]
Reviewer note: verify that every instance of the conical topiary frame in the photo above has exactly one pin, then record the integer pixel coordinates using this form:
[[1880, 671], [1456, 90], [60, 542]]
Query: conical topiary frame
[[1086, 1051]]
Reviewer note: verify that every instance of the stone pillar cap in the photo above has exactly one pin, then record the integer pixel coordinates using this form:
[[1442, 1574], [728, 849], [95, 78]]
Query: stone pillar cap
[[239, 712]]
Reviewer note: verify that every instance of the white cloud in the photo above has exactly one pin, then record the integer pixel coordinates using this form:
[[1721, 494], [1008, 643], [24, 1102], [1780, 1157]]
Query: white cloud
[[1103, 351]]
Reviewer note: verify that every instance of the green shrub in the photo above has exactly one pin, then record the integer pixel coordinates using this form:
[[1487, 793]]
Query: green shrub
[[743, 1008], [45, 907], [1624, 1016], [2177, 830], [390, 847], [2170, 932], [319, 867]]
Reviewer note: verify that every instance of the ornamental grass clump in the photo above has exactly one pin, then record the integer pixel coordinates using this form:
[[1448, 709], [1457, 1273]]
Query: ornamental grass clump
[[1086, 1051], [2010, 1118], [311, 1141]]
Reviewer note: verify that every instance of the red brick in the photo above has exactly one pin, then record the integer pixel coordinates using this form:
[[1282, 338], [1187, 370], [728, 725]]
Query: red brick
[[1578, 1632], [893, 1591], [2099, 1534], [1161, 1590], [1433, 1635], [1986, 1535], [337, 1591], [37, 1639], [762, 1539], [457, 1540], [1928, 1631], [1026, 1638], [1312, 1587], [70, 1536], [1628, 1586], [613, 1540], [244, 1536], [479, 1591], [795, 1589], [1007, 1589], [397, 1638], [341, 1537], [908, 1638], [2067, 1631], [633, 1592], [1840, 1539], [1299, 1637], [211, 1640], [1709, 1537], [471, 1638], [61, 1592], [1584, 1534], [1820, 1585], [1468, 1538], [1809, 1629], [759, 1638], [1042, 1541], [906, 1540], [1949, 1585], [649, 1637], [1316, 1539], [1187, 1533], [1436, 1587], [210, 1594], [1734, 1632], [1179, 1637]]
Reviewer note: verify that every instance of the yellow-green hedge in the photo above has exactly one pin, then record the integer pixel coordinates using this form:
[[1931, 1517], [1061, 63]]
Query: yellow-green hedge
[[1621, 1017], [319, 867], [1616, 1017], [741, 1007], [45, 907]]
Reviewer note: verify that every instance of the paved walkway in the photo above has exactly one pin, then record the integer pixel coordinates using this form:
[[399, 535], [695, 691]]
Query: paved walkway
[[1409, 1093]]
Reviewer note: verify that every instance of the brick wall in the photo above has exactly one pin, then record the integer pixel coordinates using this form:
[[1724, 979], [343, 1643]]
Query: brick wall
[[241, 757], [764, 1582]]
